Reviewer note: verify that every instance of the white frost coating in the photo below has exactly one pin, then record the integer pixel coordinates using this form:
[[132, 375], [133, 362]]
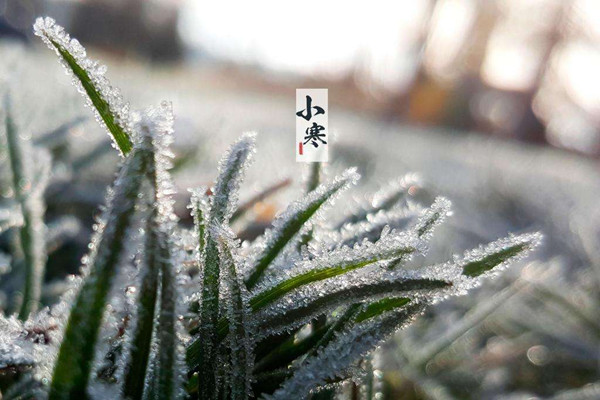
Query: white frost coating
[[232, 168], [364, 284], [347, 347], [235, 290], [327, 192], [453, 270], [30, 345], [47, 29], [391, 245], [433, 217]]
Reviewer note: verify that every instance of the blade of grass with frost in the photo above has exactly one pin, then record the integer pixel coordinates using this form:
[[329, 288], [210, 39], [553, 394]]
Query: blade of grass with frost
[[199, 209], [338, 262], [106, 100], [372, 228], [223, 203], [76, 354], [240, 343], [289, 223], [428, 221], [156, 126], [166, 377], [331, 264], [29, 196], [291, 349], [335, 327], [303, 309], [485, 258], [341, 353], [133, 387]]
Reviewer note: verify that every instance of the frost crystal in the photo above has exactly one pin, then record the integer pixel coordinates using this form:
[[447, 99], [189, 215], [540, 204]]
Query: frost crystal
[[232, 167]]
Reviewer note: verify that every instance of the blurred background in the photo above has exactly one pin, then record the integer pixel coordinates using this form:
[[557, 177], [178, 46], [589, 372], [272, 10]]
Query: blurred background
[[495, 103]]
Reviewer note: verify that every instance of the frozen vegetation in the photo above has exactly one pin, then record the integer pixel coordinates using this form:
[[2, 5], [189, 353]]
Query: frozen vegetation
[[161, 309]]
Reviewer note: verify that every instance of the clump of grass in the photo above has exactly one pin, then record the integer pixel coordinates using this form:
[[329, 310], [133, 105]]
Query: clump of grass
[[276, 319]]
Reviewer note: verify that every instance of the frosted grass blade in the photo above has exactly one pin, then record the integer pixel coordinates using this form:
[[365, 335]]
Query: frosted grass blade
[[339, 262], [137, 366], [240, 342], [166, 378], [291, 221], [341, 353], [223, 203], [485, 258], [302, 312], [89, 78], [76, 354]]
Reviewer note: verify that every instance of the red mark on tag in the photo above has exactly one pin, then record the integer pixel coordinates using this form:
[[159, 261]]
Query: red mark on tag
[[300, 148]]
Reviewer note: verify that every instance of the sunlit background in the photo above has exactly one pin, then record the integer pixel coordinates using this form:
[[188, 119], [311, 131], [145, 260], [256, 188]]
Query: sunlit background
[[524, 69], [496, 103]]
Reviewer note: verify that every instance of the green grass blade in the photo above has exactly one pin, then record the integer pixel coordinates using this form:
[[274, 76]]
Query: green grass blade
[[329, 301], [166, 360], [199, 210], [484, 259], [76, 354], [380, 307], [351, 259], [240, 343], [223, 203], [29, 197], [100, 94], [291, 222], [137, 366]]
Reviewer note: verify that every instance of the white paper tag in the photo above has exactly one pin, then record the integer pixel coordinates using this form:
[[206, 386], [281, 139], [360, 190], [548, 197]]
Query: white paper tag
[[312, 130]]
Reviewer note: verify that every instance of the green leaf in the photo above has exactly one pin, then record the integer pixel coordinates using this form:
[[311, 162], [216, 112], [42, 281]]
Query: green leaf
[[330, 300], [166, 376], [291, 221], [223, 203], [240, 350], [47, 29], [76, 354], [118, 133], [486, 258], [381, 306], [355, 259], [476, 268], [135, 373]]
